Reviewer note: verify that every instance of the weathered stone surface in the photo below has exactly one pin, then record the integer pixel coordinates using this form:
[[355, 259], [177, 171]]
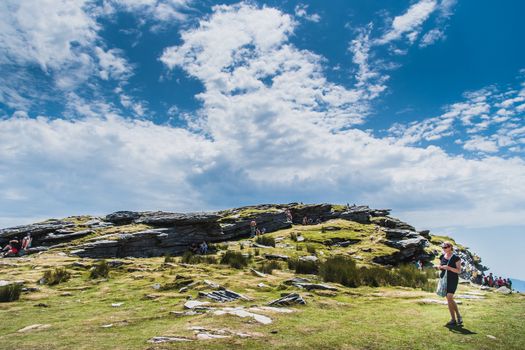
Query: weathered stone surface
[[276, 257], [36, 230], [241, 312], [58, 236], [393, 223], [166, 219], [122, 217], [504, 290], [312, 286], [34, 327], [287, 300], [223, 296]]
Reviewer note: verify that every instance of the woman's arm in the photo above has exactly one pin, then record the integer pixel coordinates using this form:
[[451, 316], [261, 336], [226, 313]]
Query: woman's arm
[[457, 269]]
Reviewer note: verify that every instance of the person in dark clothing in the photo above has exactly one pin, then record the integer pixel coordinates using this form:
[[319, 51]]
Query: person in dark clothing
[[451, 265]]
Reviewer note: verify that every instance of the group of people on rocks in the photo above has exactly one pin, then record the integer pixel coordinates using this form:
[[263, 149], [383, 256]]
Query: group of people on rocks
[[17, 247], [199, 248], [255, 231], [493, 281], [310, 221]]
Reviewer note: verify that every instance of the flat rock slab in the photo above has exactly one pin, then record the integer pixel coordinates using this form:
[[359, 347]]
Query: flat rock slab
[[436, 301], [312, 286], [280, 310], [34, 327], [223, 296], [195, 304], [290, 299], [463, 296], [276, 257], [157, 340], [241, 312], [257, 273], [503, 290]]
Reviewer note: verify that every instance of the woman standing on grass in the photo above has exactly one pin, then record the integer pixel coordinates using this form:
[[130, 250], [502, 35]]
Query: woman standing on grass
[[451, 265]]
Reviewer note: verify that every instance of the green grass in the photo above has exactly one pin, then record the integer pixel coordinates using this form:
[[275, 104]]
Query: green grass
[[352, 318]]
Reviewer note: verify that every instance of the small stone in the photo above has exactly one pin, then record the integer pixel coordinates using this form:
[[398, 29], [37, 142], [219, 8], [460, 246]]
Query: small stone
[[156, 286], [107, 325], [491, 337], [66, 294], [41, 305], [195, 304], [34, 327], [117, 304], [157, 340]]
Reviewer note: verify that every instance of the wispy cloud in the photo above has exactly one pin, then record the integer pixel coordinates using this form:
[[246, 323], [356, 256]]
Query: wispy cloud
[[487, 120], [301, 11]]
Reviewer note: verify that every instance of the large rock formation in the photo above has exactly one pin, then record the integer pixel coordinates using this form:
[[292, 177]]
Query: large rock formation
[[159, 233]]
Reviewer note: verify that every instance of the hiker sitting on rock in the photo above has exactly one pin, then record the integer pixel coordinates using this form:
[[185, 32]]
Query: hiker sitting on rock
[[253, 228], [193, 248], [12, 248], [305, 220], [203, 248], [26, 244]]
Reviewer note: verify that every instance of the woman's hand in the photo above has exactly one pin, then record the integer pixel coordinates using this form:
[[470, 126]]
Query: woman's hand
[[443, 267]]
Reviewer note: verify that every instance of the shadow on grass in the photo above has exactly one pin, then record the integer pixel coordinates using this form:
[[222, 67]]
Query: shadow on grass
[[460, 330]]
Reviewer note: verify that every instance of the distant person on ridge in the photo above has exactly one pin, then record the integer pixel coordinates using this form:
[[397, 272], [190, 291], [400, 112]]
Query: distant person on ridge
[[451, 265], [253, 228]]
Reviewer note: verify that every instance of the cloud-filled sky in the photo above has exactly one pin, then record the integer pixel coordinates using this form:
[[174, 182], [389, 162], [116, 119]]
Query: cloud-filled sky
[[188, 105]]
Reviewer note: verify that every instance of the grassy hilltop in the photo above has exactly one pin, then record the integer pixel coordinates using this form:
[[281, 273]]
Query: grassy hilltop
[[144, 298]]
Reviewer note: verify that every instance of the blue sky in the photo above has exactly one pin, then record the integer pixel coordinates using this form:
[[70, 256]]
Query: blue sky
[[183, 105]]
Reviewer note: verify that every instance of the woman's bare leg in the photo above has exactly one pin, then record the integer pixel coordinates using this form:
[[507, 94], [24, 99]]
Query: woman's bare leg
[[452, 306]]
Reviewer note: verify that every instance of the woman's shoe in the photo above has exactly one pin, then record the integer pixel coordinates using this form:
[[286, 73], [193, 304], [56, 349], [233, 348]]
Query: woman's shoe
[[451, 323], [460, 320]]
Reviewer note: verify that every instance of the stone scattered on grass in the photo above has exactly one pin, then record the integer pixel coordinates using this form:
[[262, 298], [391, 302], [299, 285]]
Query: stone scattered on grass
[[491, 337], [504, 290], [475, 297], [34, 327], [241, 312], [195, 304], [117, 304], [107, 325], [276, 257], [281, 310], [158, 340], [257, 273], [223, 296], [290, 299], [436, 301]]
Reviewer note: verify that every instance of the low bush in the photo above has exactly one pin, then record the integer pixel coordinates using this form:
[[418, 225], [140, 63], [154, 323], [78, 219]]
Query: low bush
[[298, 247], [269, 266], [190, 258], [168, 259], [293, 236], [10, 292], [99, 270], [256, 252], [310, 248], [235, 259], [56, 276], [305, 267], [265, 240], [341, 269]]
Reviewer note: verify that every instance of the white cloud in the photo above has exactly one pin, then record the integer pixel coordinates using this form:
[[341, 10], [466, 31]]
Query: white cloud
[[157, 10], [301, 10], [479, 143], [409, 23], [111, 63], [431, 37], [487, 126]]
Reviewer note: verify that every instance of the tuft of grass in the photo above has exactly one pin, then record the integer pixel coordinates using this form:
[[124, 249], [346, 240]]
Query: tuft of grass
[[268, 266], [310, 248], [298, 247], [190, 258], [293, 236], [235, 259], [100, 270], [305, 267], [265, 240], [256, 252], [56, 276], [10, 292], [168, 259]]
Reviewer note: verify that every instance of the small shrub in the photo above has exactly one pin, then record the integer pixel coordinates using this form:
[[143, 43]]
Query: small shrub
[[56, 276], [268, 267], [340, 269], [10, 292], [310, 248], [305, 267], [168, 259], [235, 259], [100, 270], [266, 240], [256, 252], [298, 247], [190, 258], [241, 246], [293, 236]]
